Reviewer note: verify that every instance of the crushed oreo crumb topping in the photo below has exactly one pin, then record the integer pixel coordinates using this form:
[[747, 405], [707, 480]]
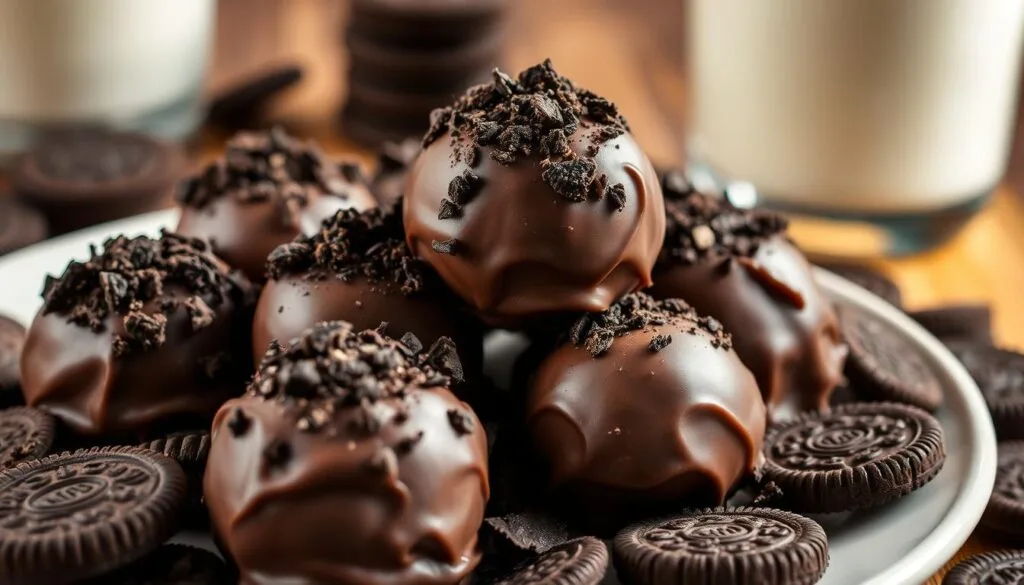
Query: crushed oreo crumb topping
[[533, 114], [701, 226], [144, 281], [271, 166], [461, 422], [596, 332], [353, 244], [332, 368]]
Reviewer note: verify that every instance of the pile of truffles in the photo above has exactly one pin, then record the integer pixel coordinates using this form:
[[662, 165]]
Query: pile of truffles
[[667, 330]]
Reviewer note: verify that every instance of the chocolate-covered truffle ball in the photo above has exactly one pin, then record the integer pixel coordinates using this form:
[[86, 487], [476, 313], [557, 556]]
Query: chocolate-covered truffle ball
[[348, 462], [645, 406], [738, 266], [359, 269], [139, 338], [393, 164], [531, 197], [268, 189]]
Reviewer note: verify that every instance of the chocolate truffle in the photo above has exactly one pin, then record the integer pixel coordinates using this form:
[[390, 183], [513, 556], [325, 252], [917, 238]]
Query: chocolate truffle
[[643, 406], [531, 197], [738, 266], [393, 163], [348, 462], [359, 269], [139, 338], [268, 189]]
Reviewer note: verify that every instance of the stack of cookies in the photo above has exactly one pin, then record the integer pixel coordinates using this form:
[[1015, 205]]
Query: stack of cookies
[[408, 57]]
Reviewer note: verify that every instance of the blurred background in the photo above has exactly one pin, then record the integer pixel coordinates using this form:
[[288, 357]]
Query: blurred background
[[883, 127]]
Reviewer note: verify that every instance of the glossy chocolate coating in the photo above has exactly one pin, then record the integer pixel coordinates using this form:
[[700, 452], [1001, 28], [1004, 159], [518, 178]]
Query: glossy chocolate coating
[[244, 233], [289, 306], [633, 431], [523, 250], [71, 371], [796, 353], [327, 518]]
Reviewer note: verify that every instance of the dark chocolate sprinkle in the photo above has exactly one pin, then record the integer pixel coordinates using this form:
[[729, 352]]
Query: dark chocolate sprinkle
[[532, 114], [131, 277]]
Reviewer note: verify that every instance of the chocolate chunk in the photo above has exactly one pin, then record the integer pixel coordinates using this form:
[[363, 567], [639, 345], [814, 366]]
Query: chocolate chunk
[[25, 433], [994, 568], [871, 279], [571, 178], [957, 322], [241, 106], [12, 340], [1004, 514], [582, 561], [447, 247], [190, 449], [171, 564], [884, 365], [739, 546], [464, 187], [20, 225], [449, 210], [76, 515], [857, 456], [82, 178], [999, 374]]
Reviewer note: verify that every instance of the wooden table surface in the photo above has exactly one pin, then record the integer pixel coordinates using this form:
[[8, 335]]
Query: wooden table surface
[[630, 52]]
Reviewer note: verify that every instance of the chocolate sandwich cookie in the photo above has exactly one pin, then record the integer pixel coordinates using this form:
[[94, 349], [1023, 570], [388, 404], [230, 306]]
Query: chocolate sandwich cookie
[[884, 365], [416, 71], [25, 433], [190, 449], [171, 564], [999, 374], [427, 24], [1004, 567], [72, 516], [12, 340], [957, 322], [20, 225], [739, 546], [857, 456], [83, 178], [1005, 512], [393, 162], [582, 561], [873, 280]]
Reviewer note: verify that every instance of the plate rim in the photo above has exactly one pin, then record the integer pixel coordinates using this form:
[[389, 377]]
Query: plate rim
[[925, 559]]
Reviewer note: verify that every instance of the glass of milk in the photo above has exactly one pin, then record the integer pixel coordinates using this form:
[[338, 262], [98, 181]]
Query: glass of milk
[[125, 64], [892, 118]]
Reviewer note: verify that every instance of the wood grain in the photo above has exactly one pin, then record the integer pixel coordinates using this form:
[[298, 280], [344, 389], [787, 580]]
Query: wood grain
[[631, 52]]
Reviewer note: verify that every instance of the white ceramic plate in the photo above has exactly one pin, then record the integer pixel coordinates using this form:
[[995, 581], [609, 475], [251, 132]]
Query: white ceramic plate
[[900, 544]]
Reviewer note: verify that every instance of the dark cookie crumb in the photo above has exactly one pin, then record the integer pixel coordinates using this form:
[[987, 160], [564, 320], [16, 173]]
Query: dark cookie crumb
[[449, 247], [461, 422], [271, 166], [277, 454], [533, 114], [239, 423], [596, 332], [353, 244], [138, 279], [700, 226], [331, 369]]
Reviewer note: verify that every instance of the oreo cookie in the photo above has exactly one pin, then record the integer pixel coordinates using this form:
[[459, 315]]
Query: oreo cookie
[[870, 279], [20, 225], [12, 340], [995, 568], [25, 433], [999, 374], [171, 564], [883, 365], [957, 322], [190, 449], [87, 177], [1004, 514], [856, 456], [582, 561], [739, 546], [69, 517]]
